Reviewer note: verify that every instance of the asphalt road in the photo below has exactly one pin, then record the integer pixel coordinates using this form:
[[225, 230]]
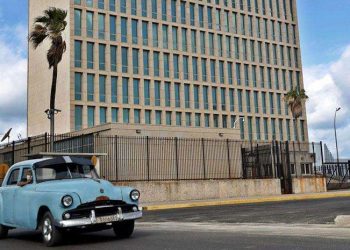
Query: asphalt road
[[321, 211], [283, 225]]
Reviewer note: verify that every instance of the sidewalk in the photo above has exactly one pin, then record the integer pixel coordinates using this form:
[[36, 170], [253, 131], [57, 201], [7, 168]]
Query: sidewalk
[[243, 200]]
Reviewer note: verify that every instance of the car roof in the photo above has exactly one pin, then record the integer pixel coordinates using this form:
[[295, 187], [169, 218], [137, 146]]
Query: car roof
[[28, 162]]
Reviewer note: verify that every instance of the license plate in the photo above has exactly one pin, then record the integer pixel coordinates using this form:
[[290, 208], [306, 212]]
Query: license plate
[[106, 219]]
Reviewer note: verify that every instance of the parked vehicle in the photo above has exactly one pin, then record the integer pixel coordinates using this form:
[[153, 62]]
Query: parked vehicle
[[64, 194]]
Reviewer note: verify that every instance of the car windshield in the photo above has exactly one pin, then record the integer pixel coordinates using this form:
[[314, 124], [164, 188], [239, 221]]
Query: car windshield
[[65, 171]]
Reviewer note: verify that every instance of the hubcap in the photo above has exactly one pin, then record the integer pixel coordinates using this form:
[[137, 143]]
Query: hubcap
[[47, 230]]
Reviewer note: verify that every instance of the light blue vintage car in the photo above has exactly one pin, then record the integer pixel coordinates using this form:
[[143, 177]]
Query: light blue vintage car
[[64, 194]]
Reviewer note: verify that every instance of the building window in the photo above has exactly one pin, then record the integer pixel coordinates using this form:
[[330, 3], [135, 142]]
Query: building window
[[178, 119], [155, 36], [90, 87], [167, 94], [177, 95], [156, 63], [101, 4], [113, 58], [146, 62], [144, 8], [166, 65], [175, 38], [125, 90], [188, 120], [136, 89], [257, 127], [158, 117], [146, 89], [168, 117], [187, 96], [112, 28], [103, 115], [196, 96], [90, 55], [148, 116], [126, 116], [124, 60], [214, 98], [78, 117], [102, 56], [112, 5], [77, 22], [240, 102], [176, 66], [206, 120], [123, 6], [154, 9], [114, 89], [101, 26], [135, 61], [205, 97], [133, 7], [124, 30], [232, 100], [134, 31], [223, 99], [90, 3], [102, 88], [185, 67], [77, 54], [89, 24], [77, 86], [157, 93], [91, 116], [145, 33], [114, 115], [137, 116]]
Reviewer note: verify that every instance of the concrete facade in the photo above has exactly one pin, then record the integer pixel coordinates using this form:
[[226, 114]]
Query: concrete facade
[[227, 61], [311, 184]]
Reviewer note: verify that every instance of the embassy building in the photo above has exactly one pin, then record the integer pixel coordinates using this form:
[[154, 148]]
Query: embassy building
[[194, 68]]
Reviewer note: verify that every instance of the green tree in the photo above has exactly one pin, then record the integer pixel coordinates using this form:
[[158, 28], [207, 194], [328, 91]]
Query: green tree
[[295, 99], [51, 26]]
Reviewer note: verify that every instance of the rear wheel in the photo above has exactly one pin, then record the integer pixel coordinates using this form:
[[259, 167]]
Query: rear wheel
[[51, 235], [3, 231], [124, 229]]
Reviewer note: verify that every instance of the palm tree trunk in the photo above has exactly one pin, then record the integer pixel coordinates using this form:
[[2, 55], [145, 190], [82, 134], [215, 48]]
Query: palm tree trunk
[[52, 106]]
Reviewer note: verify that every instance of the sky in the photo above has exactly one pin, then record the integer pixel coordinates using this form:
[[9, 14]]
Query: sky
[[325, 45]]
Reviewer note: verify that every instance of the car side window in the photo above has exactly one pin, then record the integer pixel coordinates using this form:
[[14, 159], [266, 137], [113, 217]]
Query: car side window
[[13, 179], [27, 176]]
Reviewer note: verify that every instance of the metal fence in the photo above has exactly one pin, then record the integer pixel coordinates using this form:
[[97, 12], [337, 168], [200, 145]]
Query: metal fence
[[151, 158]]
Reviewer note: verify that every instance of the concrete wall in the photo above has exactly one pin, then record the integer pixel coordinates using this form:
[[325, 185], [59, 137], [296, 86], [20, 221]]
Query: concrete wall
[[309, 185], [201, 190]]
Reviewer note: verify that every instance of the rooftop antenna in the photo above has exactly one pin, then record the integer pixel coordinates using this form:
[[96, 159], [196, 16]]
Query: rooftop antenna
[[7, 136]]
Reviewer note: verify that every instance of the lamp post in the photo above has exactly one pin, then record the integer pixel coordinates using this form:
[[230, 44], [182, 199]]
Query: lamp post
[[335, 135], [234, 124]]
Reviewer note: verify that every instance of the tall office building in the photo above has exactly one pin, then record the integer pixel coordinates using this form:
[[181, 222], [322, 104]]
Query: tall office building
[[173, 66]]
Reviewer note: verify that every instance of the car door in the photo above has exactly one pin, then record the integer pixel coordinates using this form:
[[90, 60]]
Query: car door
[[8, 192], [22, 195]]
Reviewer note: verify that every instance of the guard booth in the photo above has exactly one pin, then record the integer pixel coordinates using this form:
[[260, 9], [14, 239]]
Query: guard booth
[[94, 157], [3, 170]]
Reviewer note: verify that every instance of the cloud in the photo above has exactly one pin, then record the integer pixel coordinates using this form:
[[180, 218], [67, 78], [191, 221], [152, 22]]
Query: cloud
[[328, 88], [13, 79]]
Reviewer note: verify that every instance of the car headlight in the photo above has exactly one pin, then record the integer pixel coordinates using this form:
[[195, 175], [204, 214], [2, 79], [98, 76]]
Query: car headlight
[[67, 201], [135, 195]]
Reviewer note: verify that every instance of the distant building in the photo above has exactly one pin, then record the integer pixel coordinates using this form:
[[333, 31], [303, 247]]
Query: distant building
[[194, 65], [328, 157]]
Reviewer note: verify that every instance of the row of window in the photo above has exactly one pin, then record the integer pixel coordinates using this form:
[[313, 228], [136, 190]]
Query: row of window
[[182, 67], [249, 26], [180, 11], [167, 94], [263, 129]]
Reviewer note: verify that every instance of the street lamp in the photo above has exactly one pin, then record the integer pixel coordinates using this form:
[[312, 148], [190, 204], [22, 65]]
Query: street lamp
[[335, 134]]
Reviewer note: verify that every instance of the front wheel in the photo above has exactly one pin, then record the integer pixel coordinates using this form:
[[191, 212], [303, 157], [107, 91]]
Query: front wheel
[[124, 229], [3, 232], [51, 235]]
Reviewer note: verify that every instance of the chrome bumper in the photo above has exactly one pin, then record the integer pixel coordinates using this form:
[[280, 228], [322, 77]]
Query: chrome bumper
[[93, 220]]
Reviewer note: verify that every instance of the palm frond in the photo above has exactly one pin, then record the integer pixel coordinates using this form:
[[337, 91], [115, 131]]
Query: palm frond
[[55, 53], [38, 35]]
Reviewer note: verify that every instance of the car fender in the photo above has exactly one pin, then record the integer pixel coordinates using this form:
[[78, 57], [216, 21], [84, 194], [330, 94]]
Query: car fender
[[126, 195], [51, 201]]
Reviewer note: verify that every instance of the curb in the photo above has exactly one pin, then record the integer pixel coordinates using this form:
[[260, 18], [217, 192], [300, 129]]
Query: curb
[[246, 201]]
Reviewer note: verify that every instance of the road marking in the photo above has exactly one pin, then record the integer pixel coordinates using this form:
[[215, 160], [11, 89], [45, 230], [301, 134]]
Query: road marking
[[248, 200]]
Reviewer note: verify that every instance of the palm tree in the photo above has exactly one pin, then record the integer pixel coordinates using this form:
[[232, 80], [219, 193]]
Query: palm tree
[[295, 99], [51, 25]]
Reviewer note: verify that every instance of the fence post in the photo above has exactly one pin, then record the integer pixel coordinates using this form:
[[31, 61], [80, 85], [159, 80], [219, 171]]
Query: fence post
[[45, 142], [314, 155], [203, 154], [13, 152], [116, 158], [289, 173], [176, 159], [147, 147], [257, 161], [322, 167], [244, 167], [228, 158], [28, 144]]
